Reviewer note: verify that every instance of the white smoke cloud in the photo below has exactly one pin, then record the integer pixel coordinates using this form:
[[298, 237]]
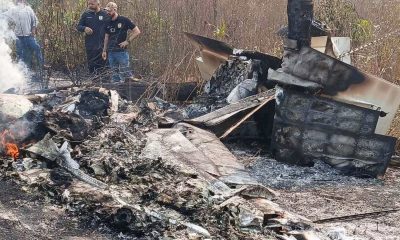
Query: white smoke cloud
[[12, 74]]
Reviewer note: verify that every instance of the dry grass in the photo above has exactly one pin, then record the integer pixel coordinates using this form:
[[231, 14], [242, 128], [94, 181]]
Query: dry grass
[[164, 53], [162, 49]]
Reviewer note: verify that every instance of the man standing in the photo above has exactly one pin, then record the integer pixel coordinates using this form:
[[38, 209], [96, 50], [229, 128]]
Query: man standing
[[116, 41], [25, 24], [92, 23]]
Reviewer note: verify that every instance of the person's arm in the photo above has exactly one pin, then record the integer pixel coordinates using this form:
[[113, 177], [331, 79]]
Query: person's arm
[[35, 23], [34, 31], [81, 27], [133, 34], [104, 54]]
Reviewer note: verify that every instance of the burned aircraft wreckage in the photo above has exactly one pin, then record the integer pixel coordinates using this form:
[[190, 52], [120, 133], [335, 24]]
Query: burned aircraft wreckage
[[149, 167], [322, 108]]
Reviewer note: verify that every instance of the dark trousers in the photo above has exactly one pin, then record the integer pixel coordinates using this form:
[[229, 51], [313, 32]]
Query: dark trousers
[[26, 47], [96, 64]]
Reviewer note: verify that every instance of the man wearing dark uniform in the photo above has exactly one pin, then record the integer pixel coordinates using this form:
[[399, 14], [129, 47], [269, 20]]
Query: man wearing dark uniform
[[92, 23], [120, 31]]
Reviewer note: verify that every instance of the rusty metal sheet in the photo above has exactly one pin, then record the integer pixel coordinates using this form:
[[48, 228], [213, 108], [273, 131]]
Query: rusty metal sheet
[[308, 128]]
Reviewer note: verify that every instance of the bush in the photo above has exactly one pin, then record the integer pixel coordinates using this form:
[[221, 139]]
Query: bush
[[162, 51]]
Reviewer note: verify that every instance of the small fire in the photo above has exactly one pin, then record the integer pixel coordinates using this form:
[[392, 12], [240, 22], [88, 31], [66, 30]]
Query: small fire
[[7, 144], [12, 150]]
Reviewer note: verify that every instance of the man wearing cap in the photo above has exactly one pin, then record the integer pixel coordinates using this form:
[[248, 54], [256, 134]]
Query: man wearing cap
[[120, 31], [25, 24], [92, 23]]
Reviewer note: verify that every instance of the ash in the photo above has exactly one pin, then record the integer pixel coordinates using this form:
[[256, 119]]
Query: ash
[[279, 175]]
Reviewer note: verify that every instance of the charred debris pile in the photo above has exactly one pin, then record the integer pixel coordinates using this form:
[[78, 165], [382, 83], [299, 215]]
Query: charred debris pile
[[153, 170], [323, 108], [129, 171]]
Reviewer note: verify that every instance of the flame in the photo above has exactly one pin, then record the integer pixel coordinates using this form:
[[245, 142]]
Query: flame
[[12, 150], [7, 143]]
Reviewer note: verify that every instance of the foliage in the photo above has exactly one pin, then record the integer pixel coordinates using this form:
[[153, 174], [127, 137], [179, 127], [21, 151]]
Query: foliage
[[162, 50], [362, 31], [220, 31], [341, 16]]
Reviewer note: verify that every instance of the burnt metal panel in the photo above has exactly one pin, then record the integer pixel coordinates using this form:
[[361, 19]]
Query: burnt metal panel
[[219, 48], [377, 92], [298, 108], [311, 69], [214, 53], [300, 16], [311, 65], [308, 127]]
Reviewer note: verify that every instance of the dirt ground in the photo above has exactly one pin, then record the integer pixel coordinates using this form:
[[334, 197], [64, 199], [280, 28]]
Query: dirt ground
[[28, 216], [321, 192], [327, 202], [317, 193]]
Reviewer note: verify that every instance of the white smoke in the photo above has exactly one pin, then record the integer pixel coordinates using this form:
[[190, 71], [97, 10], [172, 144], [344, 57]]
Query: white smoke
[[12, 74]]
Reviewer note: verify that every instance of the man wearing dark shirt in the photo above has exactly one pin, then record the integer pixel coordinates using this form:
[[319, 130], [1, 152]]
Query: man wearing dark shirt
[[93, 22], [120, 31]]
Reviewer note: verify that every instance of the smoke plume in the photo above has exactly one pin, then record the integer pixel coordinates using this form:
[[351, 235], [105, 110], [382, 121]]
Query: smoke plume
[[12, 74]]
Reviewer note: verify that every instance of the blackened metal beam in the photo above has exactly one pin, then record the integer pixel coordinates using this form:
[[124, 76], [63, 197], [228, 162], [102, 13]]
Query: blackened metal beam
[[300, 17]]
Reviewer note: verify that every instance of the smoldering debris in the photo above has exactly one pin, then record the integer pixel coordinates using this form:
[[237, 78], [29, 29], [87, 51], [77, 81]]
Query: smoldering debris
[[155, 170], [318, 128], [150, 170], [111, 166]]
